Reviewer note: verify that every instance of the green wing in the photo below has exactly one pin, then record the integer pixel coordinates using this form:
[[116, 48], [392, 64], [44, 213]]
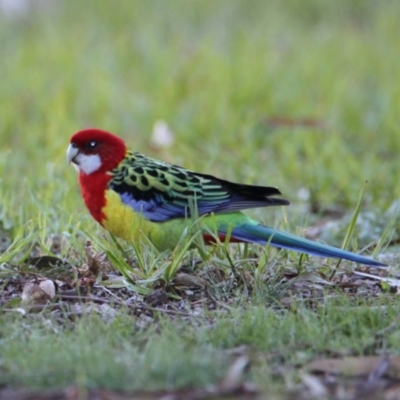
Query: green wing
[[162, 191]]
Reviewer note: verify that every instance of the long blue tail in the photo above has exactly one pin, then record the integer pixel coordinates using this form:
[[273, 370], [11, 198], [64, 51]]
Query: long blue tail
[[263, 234]]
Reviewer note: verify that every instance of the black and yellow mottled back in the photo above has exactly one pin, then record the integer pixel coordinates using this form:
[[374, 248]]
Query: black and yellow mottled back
[[162, 191]]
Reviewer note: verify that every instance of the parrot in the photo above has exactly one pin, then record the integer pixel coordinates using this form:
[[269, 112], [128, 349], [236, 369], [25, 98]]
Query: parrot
[[131, 195]]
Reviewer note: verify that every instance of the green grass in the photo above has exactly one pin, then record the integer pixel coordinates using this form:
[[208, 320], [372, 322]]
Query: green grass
[[134, 354], [219, 73], [113, 355]]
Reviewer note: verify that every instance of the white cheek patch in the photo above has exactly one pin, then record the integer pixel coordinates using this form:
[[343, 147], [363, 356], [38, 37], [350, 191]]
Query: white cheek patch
[[87, 164]]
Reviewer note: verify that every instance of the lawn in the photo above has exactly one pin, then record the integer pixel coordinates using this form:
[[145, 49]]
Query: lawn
[[302, 95]]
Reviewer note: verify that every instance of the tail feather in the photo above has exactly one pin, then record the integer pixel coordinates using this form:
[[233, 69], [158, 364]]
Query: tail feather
[[262, 234]]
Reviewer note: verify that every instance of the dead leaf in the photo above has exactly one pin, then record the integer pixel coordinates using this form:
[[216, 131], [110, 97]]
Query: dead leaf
[[390, 281], [96, 261], [315, 386], [187, 280], [309, 277], [38, 292], [233, 378], [354, 366]]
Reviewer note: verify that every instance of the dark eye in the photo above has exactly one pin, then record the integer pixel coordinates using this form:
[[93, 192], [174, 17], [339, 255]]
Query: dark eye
[[91, 145]]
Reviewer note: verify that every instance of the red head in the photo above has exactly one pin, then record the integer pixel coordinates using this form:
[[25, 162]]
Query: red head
[[93, 153], [93, 150]]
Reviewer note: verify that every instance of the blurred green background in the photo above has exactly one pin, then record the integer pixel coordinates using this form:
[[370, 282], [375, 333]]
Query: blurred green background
[[295, 94], [299, 94]]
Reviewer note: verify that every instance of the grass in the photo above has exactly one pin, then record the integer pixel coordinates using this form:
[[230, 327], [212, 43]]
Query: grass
[[114, 355], [299, 95], [131, 354]]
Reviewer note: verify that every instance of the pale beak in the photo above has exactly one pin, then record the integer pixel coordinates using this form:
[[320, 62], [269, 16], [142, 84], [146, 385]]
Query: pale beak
[[72, 153]]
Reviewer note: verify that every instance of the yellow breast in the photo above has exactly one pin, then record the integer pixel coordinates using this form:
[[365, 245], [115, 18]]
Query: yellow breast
[[122, 221]]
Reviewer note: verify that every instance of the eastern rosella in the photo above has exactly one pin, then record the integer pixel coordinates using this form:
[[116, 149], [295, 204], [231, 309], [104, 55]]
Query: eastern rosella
[[132, 195]]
